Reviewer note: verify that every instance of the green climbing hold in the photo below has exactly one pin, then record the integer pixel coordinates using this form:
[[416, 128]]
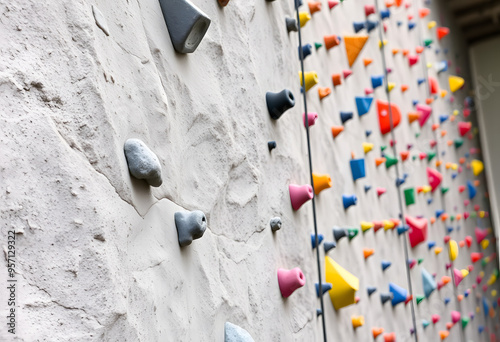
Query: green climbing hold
[[430, 155], [458, 142], [428, 42], [452, 218], [444, 190], [414, 158], [420, 260], [420, 299], [484, 262], [495, 273], [417, 135], [351, 233], [317, 45], [473, 214], [390, 161], [409, 196], [465, 321], [383, 147]]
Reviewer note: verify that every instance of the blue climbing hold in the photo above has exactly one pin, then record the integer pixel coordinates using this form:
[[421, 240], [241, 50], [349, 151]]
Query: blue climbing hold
[[367, 188], [363, 104], [357, 168], [431, 244], [371, 25], [442, 66], [325, 288], [345, 116], [306, 50], [472, 189], [313, 239], [385, 297], [486, 306], [403, 229], [385, 264], [429, 200], [439, 213], [368, 133], [371, 290], [449, 229], [377, 81], [480, 329], [429, 283], [414, 102], [420, 81], [399, 23], [399, 293], [385, 14], [358, 26], [349, 200], [446, 300], [454, 175], [411, 25], [443, 118]]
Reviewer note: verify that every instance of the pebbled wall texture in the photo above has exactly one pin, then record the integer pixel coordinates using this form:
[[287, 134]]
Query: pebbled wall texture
[[97, 256]]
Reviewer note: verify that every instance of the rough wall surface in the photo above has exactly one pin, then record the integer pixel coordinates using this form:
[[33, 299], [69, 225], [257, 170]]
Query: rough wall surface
[[97, 251]]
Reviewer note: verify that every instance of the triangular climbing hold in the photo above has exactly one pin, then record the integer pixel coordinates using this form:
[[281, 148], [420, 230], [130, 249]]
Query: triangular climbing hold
[[464, 127], [383, 116], [429, 282], [367, 61], [346, 285], [353, 46], [442, 32], [423, 12], [434, 178], [399, 294], [456, 83], [433, 85], [363, 104], [477, 167], [425, 112], [336, 130]]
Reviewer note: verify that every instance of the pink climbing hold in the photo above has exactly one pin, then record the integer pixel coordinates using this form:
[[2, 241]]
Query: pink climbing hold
[[422, 155], [300, 194], [412, 263], [290, 280], [432, 143], [418, 230], [434, 178], [368, 91], [311, 118], [455, 316], [412, 60], [466, 215], [480, 234], [346, 73], [461, 188], [332, 4], [457, 274], [381, 191], [425, 112], [464, 127], [446, 239], [466, 202], [468, 240], [369, 9], [435, 318]]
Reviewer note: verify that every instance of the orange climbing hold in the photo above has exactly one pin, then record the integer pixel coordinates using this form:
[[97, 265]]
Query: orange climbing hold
[[423, 12], [336, 130], [353, 46], [404, 88], [331, 41], [404, 155], [395, 51], [443, 133], [444, 334], [379, 161], [324, 92], [406, 52], [377, 331], [413, 116], [368, 252], [435, 126], [314, 6], [336, 79], [429, 101], [367, 61]]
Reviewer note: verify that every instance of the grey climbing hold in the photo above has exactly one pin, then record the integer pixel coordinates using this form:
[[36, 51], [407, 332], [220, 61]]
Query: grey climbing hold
[[190, 226], [233, 333], [100, 20], [275, 223], [291, 24], [142, 162], [186, 24]]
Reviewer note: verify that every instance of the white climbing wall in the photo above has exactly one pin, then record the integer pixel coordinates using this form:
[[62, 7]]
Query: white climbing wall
[[97, 255]]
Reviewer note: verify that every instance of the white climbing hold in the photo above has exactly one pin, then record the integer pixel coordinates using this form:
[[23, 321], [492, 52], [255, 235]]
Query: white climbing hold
[[234, 333], [100, 20]]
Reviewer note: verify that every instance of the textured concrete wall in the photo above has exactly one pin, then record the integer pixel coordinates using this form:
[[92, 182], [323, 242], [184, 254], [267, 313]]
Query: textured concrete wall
[[97, 252]]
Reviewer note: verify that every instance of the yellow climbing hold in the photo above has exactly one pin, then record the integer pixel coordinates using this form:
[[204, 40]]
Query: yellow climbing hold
[[465, 272], [311, 79], [357, 321], [485, 243], [426, 189], [456, 83], [443, 93], [453, 250], [431, 24], [366, 225], [477, 166], [482, 213], [438, 250], [382, 43], [304, 18], [367, 147], [388, 224], [456, 112], [391, 86], [346, 285]]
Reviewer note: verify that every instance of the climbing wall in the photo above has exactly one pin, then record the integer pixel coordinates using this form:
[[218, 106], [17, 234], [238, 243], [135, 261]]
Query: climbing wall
[[187, 231]]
